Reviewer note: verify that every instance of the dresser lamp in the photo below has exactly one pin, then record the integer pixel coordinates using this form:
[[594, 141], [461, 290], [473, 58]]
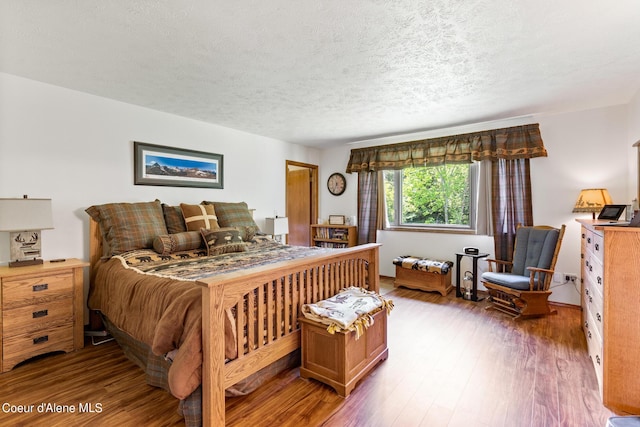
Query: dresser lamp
[[277, 226], [592, 200], [24, 219]]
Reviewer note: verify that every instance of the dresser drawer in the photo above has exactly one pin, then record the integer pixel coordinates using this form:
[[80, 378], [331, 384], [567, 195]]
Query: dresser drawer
[[594, 344], [34, 289], [595, 307], [22, 347], [598, 246], [18, 321], [594, 271]]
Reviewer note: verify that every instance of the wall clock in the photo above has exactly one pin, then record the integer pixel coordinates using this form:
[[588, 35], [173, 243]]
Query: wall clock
[[336, 184]]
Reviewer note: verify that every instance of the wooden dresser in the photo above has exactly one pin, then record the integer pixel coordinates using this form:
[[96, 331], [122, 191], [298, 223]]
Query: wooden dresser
[[41, 310], [611, 311]]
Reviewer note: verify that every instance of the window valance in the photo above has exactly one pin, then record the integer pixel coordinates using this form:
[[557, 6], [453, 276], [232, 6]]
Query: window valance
[[518, 142]]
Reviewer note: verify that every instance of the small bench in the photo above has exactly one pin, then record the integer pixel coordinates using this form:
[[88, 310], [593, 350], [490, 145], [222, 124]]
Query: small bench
[[344, 337], [423, 273]]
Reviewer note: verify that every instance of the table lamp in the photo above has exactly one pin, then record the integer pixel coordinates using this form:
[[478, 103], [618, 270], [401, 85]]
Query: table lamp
[[24, 219], [592, 200], [277, 226]]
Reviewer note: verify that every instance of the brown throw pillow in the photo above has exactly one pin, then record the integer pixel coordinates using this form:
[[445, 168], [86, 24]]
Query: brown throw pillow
[[222, 241], [128, 226], [169, 243], [235, 214], [199, 216], [174, 219]]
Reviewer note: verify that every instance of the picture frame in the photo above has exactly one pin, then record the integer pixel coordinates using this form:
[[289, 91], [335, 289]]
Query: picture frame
[[611, 212], [176, 167], [337, 220]]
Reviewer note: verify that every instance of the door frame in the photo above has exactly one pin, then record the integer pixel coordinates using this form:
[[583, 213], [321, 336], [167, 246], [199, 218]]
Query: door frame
[[314, 187]]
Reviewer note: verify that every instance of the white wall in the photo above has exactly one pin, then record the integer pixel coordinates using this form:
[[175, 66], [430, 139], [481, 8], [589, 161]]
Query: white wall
[[77, 149], [586, 149], [633, 118]]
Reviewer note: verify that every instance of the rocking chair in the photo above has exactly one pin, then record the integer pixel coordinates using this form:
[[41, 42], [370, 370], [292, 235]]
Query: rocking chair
[[521, 288]]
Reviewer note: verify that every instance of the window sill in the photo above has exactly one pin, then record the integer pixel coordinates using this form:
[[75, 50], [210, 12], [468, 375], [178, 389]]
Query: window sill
[[443, 230]]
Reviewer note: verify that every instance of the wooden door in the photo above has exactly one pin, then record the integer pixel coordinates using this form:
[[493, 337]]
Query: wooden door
[[302, 201]]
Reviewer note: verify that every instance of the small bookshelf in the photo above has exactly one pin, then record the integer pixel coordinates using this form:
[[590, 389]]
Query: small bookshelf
[[334, 236]]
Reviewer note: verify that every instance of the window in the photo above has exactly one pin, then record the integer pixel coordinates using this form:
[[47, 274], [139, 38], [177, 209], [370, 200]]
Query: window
[[437, 197]]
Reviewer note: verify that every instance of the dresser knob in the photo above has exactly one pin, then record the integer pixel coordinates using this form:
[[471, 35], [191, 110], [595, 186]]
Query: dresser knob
[[597, 359], [597, 246], [598, 317], [599, 280]]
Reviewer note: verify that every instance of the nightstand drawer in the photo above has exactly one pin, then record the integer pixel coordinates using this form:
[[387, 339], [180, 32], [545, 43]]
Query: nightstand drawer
[[18, 321], [33, 289], [22, 347]]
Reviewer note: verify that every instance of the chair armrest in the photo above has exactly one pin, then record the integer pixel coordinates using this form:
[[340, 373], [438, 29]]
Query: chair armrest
[[532, 273], [490, 261]]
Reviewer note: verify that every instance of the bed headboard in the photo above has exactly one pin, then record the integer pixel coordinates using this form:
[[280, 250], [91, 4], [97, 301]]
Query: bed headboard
[[95, 243]]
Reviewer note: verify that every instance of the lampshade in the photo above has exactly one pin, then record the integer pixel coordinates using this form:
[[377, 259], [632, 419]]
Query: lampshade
[[25, 214], [277, 226], [592, 200]]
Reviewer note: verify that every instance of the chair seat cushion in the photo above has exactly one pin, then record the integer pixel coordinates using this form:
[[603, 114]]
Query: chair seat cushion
[[508, 280]]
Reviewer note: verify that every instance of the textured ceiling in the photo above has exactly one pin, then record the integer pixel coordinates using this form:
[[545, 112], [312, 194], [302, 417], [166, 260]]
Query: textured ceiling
[[325, 72]]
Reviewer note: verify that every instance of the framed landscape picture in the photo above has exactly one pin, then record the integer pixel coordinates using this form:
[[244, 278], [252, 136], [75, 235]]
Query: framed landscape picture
[[176, 167]]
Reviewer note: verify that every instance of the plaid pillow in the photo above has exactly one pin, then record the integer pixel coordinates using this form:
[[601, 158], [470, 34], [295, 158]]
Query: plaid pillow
[[128, 226], [222, 241], [236, 215], [169, 243], [199, 216], [173, 218]]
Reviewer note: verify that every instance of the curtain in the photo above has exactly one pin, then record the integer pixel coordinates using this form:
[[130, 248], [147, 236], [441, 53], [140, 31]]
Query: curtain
[[508, 204], [511, 203], [518, 142], [369, 203], [484, 200]]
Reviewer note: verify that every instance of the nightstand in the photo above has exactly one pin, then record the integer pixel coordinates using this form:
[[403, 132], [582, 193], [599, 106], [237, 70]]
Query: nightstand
[[41, 310]]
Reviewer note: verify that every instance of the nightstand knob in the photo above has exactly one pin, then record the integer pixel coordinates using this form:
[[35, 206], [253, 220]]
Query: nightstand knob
[[41, 339], [42, 287], [41, 313]]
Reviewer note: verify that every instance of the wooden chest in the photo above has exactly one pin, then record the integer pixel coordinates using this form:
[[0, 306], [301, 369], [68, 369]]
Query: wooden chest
[[340, 360], [423, 280]]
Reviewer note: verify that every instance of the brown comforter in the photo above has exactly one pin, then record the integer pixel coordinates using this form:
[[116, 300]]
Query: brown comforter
[[154, 299]]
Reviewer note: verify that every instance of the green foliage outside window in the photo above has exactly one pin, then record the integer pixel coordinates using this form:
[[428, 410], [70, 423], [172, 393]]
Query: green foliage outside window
[[432, 196]]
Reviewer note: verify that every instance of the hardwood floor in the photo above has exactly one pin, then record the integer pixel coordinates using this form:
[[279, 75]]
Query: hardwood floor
[[451, 363]]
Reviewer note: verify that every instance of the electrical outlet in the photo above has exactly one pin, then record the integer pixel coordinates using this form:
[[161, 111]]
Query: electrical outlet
[[570, 278]]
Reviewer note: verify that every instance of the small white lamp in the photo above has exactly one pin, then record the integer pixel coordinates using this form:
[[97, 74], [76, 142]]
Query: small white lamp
[[24, 218], [277, 226]]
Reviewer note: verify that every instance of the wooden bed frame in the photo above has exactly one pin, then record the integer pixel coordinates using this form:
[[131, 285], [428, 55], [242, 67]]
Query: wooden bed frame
[[271, 329]]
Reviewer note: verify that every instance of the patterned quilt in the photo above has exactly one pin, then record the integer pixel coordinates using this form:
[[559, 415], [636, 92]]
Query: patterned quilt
[[195, 264]]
